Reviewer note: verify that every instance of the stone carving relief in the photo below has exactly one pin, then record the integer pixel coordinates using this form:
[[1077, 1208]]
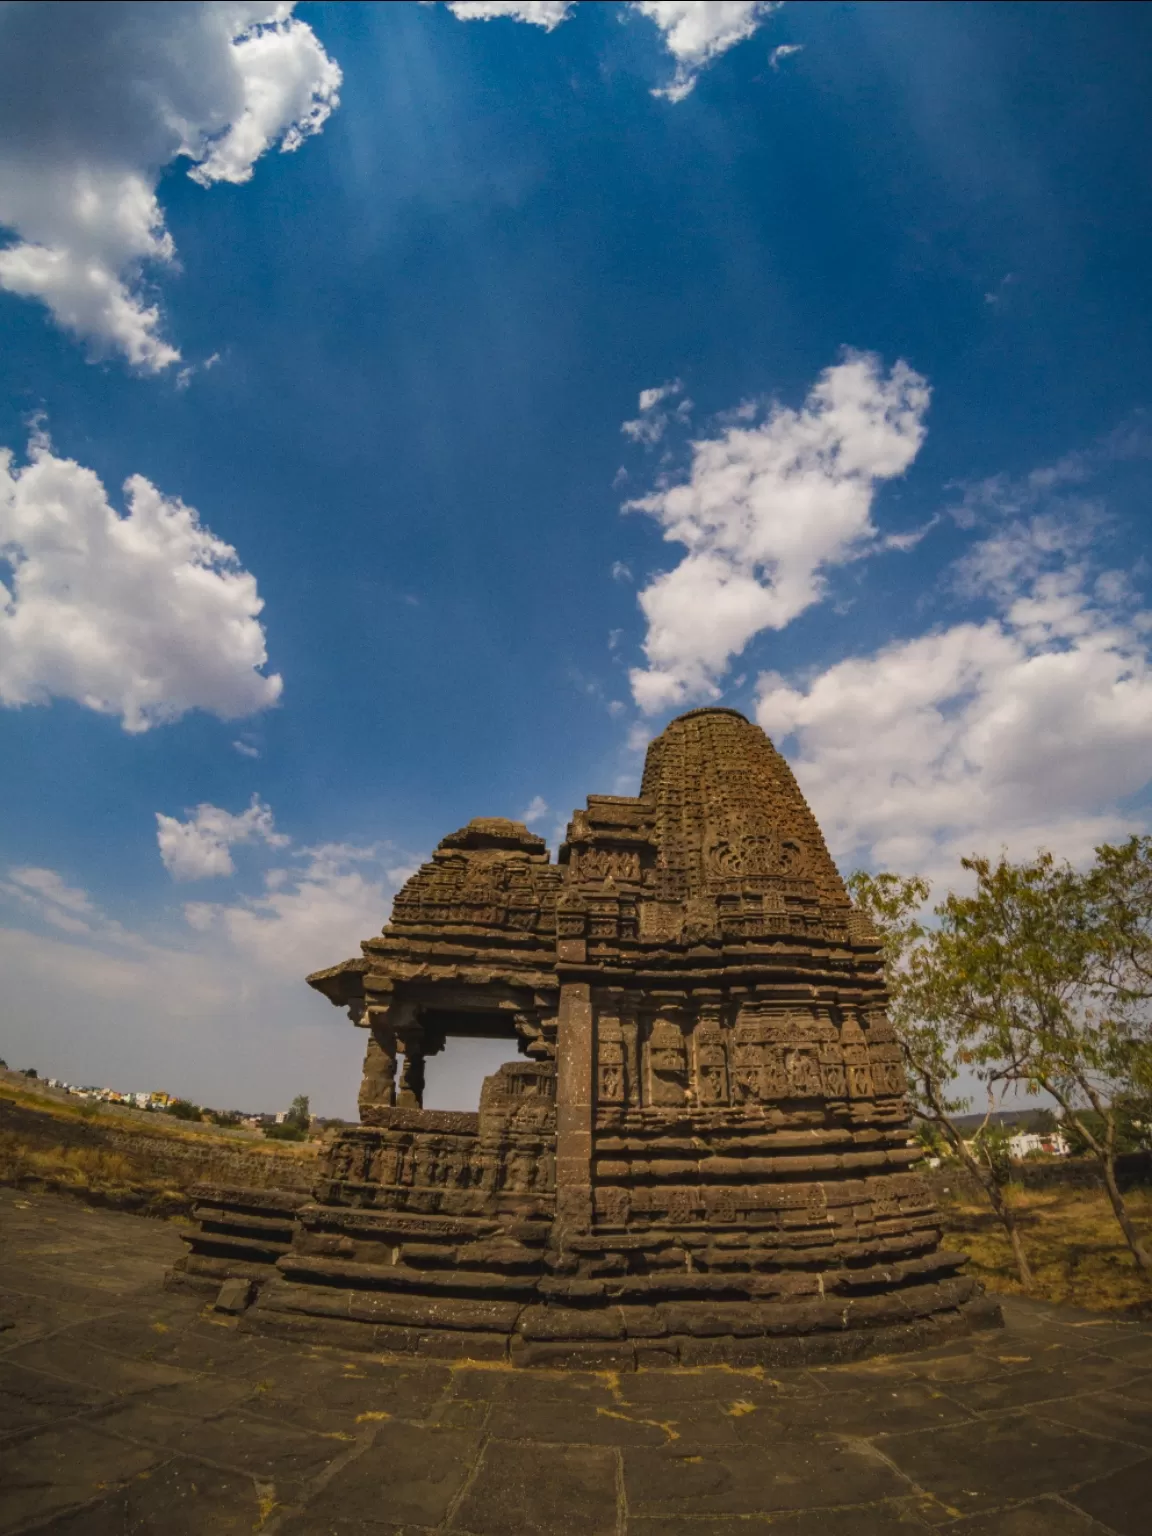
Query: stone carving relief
[[661, 920], [795, 1057], [667, 1063], [612, 1087], [857, 1066], [753, 854], [608, 864], [613, 1206], [711, 1065]]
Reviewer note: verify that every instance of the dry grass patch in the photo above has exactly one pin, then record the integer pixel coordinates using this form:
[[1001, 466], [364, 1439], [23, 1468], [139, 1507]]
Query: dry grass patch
[[91, 1172], [1076, 1249]]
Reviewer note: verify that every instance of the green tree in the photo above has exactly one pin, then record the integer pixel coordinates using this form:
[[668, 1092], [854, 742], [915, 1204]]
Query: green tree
[[1120, 889], [300, 1114], [285, 1131], [183, 1109], [936, 1040], [1024, 962], [930, 1139]]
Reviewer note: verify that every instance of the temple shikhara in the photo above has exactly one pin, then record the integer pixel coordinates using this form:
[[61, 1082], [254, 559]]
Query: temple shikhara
[[701, 1151]]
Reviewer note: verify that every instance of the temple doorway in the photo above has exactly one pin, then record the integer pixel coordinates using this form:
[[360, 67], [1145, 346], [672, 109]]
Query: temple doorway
[[453, 1078], [476, 1044]]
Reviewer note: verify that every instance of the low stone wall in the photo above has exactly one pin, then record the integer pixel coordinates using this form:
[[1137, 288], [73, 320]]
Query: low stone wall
[[1133, 1170], [179, 1159]]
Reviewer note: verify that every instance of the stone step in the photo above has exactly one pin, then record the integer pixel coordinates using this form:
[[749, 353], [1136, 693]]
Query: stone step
[[350, 1273], [400, 1310], [246, 1220], [253, 1248], [260, 1202], [404, 1225], [206, 1272]]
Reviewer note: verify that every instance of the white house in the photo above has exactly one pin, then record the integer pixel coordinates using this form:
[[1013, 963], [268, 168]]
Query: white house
[[1031, 1143]]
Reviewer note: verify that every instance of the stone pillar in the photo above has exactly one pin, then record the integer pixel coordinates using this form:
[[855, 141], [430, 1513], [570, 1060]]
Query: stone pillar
[[575, 1054], [378, 1085], [411, 1094], [630, 1033]]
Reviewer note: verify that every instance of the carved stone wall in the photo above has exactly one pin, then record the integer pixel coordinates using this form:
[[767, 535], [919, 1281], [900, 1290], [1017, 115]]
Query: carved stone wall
[[705, 1153]]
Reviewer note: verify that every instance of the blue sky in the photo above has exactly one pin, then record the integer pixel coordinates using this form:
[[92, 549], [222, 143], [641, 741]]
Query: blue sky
[[879, 273]]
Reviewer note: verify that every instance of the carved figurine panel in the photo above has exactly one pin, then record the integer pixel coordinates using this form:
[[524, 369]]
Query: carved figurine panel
[[666, 1060]]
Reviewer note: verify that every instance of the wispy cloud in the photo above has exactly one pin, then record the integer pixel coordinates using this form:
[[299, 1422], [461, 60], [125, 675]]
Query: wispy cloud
[[768, 504], [536, 810]]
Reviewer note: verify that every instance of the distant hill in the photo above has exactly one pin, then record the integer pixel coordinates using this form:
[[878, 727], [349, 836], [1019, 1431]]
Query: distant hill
[[1013, 1119]]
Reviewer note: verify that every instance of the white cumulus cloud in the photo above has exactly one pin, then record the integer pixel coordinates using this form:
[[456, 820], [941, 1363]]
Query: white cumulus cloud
[[145, 616], [95, 101], [698, 31], [765, 507], [1028, 728], [539, 13], [694, 31], [535, 811], [307, 917], [200, 847]]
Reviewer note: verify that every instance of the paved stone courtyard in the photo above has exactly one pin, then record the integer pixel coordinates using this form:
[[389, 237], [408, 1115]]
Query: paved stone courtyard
[[126, 1409]]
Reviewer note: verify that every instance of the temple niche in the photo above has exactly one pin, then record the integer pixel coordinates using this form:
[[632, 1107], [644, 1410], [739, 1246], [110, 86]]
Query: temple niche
[[701, 1149]]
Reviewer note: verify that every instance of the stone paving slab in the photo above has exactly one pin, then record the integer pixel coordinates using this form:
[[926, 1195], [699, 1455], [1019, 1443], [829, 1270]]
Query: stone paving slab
[[125, 1409]]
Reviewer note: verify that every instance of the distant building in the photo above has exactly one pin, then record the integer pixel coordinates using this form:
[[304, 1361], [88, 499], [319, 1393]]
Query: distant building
[[1037, 1144]]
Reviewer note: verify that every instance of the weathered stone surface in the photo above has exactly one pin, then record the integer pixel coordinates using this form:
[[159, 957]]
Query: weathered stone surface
[[234, 1296], [59, 1468], [730, 1482], [531, 1490], [134, 1412], [967, 1466], [705, 1143]]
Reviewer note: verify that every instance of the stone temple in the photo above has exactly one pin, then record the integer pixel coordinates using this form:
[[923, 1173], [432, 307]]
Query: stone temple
[[702, 1151]]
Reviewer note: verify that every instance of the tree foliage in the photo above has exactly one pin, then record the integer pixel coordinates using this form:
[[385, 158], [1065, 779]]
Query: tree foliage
[[1038, 980], [935, 1043], [296, 1123], [285, 1131], [184, 1109]]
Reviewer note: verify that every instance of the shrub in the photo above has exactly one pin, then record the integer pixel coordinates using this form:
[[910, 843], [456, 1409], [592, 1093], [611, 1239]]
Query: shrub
[[284, 1132], [183, 1110]]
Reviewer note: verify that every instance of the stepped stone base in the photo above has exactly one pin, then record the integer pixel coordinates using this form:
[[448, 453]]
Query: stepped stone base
[[608, 1338], [242, 1233]]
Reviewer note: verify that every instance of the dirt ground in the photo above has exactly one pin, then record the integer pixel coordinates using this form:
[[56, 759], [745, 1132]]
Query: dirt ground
[[1076, 1249]]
